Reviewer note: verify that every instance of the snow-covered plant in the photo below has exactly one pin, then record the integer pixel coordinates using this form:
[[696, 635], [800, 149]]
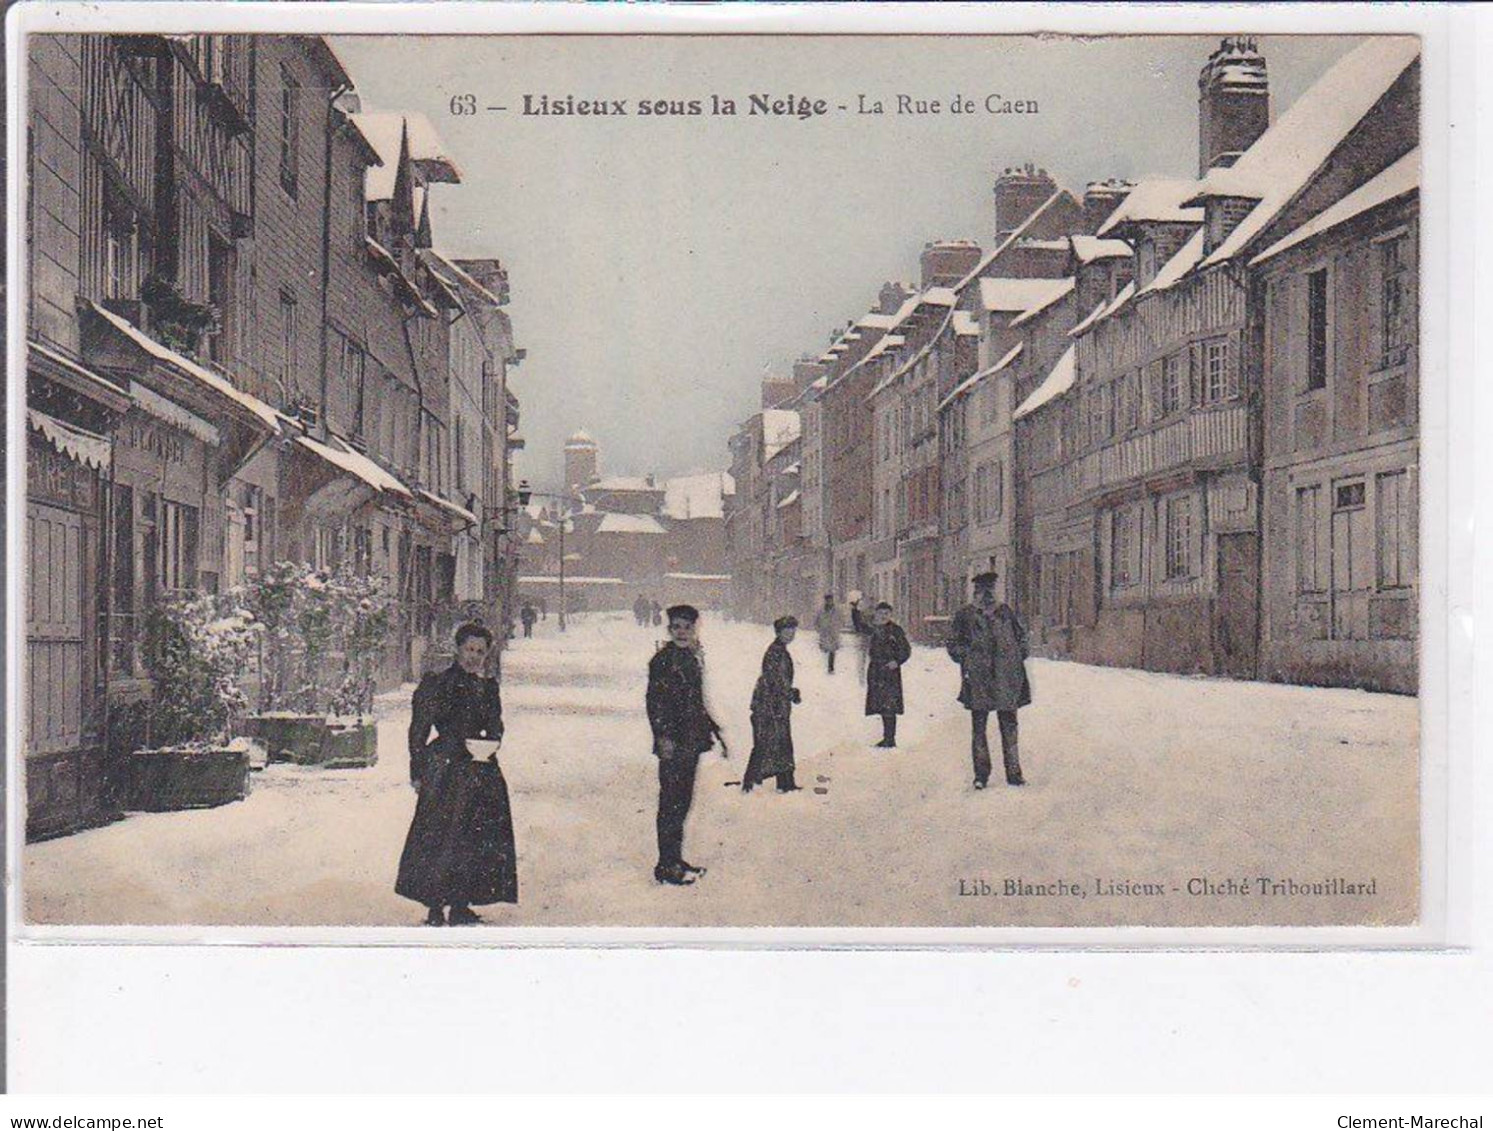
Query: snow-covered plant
[[362, 614], [201, 645]]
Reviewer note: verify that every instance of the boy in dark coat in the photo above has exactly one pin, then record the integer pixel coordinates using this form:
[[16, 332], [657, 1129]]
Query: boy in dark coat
[[682, 731], [772, 708], [887, 650], [988, 642]]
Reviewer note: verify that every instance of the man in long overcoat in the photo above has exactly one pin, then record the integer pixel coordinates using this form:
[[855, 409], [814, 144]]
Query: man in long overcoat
[[887, 650], [682, 731], [989, 643], [772, 710], [827, 624]]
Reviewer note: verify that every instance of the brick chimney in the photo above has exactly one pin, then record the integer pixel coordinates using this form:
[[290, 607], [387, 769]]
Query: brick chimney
[[944, 262], [1100, 199], [891, 298], [1018, 193], [1233, 102]]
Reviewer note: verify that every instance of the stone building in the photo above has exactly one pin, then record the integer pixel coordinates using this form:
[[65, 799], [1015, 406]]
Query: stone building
[[221, 366]]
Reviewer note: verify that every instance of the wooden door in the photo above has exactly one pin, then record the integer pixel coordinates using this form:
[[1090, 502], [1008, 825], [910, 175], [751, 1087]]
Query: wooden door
[[1237, 617], [1352, 563], [56, 694]]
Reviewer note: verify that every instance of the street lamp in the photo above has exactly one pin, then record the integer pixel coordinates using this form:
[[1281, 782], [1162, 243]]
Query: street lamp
[[526, 493]]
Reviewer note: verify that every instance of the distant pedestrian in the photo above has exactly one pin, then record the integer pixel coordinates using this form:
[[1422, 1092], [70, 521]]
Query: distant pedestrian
[[827, 623], [772, 709], [640, 610], [657, 613], [528, 614], [887, 650], [682, 731], [989, 643], [459, 851], [544, 610]]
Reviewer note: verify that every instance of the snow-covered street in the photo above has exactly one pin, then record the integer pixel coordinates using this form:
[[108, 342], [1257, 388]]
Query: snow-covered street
[[1136, 781]]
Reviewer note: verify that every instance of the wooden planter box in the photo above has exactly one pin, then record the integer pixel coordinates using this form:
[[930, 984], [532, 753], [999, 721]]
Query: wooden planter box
[[170, 779], [315, 740]]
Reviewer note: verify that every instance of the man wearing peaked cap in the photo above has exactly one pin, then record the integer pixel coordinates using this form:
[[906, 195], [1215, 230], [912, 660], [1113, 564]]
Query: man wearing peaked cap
[[988, 642], [682, 731]]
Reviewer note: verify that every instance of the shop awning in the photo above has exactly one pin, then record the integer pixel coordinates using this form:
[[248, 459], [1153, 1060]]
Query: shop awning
[[85, 447], [198, 379], [356, 464], [441, 513], [65, 371]]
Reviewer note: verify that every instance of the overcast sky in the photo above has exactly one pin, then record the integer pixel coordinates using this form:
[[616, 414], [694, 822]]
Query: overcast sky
[[660, 265]]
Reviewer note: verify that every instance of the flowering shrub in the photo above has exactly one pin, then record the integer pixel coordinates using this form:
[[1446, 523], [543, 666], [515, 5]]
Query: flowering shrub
[[201, 645], [324, 632]]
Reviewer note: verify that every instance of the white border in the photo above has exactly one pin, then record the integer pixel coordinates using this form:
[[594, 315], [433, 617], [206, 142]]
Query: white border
[[1445, 661]]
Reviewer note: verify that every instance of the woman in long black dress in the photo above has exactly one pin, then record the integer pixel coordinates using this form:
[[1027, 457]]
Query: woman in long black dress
[[772, 709], [459, 851]]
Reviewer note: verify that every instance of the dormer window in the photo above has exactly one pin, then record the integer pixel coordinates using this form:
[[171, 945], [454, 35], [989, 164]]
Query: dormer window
[[1222, 214]]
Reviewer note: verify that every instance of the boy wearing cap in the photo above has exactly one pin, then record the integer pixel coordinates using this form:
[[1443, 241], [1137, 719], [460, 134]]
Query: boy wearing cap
[[887, 650], [988, 642], [682, 731], [772, 711]]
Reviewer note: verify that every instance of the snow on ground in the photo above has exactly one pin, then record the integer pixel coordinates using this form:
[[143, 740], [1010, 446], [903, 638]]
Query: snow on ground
[[1134, 776]]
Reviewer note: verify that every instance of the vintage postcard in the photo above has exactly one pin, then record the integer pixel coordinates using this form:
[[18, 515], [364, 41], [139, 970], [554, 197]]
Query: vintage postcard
[[483, 483]]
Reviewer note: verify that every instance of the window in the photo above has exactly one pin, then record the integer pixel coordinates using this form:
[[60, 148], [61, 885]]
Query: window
[[1310, 576], [177, 542], [1349, 496], [287, 343], [253, 498], [1179, 537], [121, 246], [1171, 384], [290, 129], [1129, 412], [1124, 548], [219, 291], [1396, 304], [363, 551], [1316, 330], [1396, 541], [1216, 371]]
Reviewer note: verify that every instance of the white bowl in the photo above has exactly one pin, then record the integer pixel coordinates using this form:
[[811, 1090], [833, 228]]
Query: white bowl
[[482, 747]]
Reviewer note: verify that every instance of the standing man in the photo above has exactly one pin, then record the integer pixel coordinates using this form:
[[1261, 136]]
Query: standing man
[[988, 642], [682, 731], [772, 711], [887, 650], [827, 623], [528, 614]]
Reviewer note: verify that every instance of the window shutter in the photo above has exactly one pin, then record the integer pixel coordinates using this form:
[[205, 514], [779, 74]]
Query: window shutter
[[1192, 384], [1233, 365]]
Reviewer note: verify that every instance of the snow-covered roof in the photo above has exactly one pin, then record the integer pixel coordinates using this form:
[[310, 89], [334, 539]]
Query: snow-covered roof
[[1014, 296], [697, 496], [457, 509], [1018, 234], [938, 296], [875, 320], [965, 324], [446, 269], [207, 377], [780, 427], [1399, 179], [580, 439], [788, 500], [360, 468], [1088, 249], [427, 151], [535, 538], [1157, 200], [623, 483], [630, 524], [975, 378], [569, 580], [1057, 294], [1175, 269], [1089, 319], [368, 469], [1060, 244], [1285, 157], [699, 576], [1127, 292], [1055, 384]]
